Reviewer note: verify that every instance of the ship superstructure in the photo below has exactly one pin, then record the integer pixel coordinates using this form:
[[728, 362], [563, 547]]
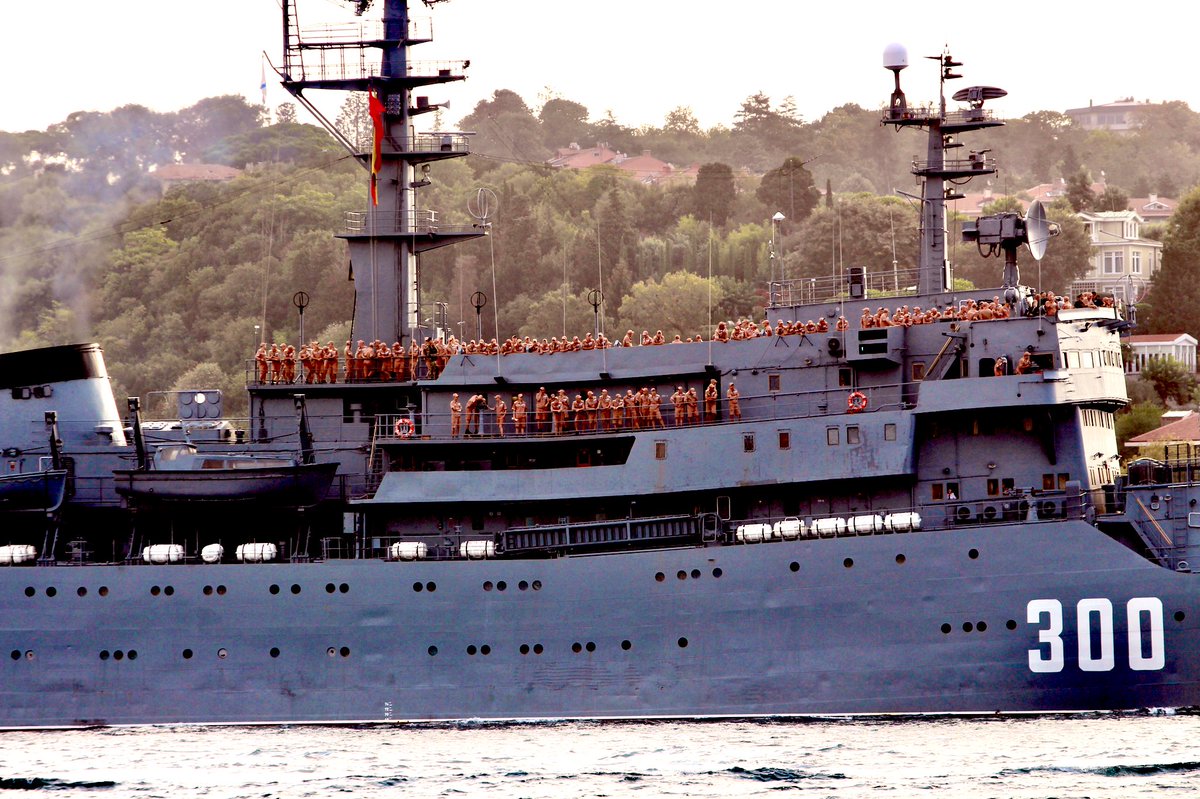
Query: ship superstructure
[[922, 516]]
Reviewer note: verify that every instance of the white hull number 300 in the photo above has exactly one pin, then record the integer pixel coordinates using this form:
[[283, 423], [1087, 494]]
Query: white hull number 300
[[1094, 632]]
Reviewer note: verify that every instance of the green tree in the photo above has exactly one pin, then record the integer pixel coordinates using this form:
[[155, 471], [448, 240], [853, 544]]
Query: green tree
[[1141, 417], [564, 122], [1079, 191], [789, 188], [1111, 199], [1174, 297], [1170, 378], [679, 305], [714, 193]]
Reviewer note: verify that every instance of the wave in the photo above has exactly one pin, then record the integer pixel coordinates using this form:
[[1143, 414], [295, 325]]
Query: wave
[[1140, 770], [772, 774]]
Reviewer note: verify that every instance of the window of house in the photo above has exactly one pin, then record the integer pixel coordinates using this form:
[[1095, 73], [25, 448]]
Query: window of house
[[785, 439], [1114, 263], [889, 432], [852, 435], [747, 442], [832, 436], [773, 382], [1135, 262]]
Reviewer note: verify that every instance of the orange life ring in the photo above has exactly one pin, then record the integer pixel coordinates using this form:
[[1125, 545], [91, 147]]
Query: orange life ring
[[404, 427], [857, 401]]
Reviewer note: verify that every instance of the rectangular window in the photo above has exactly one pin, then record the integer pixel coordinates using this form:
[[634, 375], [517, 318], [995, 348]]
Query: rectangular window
[[993, 487], [785, 439], [1047, 482], [845, 377], [1135, 262], [918, 371], [852, 435], [1072, 359], [1007, 485], [1086, 359], [660, 450], [832, 436], [1062, 481], [889, 432], [938, 492], [1114, 263], [747, 442], [773, 382]]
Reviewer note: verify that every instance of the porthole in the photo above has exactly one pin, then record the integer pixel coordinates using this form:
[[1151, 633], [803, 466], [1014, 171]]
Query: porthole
[[501, 586], [973, 554], [104, 654], [274, 589], [717, 572], [103, 590], [1011, 624], [523, 586], [538, 649], [274, 651], [681, 574], [900, 558], [968, 627], [51, 591], [1180, 615], [344, 651], [30, 656], [695, 574], [118, 655], [626, 644], [848, 563], [794, 566], [30, 591], [577, 647], [471, 650], [133, 654], [208, 590], [220, 590], [487, 585], [485, 650], [155, 590], [431, 587], [981, 626], [344, 588], [169, 590], [418, 587], [222, 653], [537, 585], [432, 651], [946, 628], [15, 654], [524, 649], [330, 588], [331, 652], [590, 646], [187, 654], [295, 588], [683, 642], [658, 577], [81, 591]]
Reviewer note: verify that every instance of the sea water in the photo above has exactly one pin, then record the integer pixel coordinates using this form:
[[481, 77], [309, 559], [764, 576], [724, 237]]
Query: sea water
[[1095, 756]]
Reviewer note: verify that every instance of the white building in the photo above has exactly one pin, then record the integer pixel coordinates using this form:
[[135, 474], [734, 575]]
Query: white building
[[1144, 349]]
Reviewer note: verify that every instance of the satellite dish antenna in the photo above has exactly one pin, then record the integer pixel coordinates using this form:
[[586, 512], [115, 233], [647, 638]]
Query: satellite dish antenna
[[895, 58], [1038, 230]]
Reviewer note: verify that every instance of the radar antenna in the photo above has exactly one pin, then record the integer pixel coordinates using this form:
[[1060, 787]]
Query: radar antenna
[[1008, 231]]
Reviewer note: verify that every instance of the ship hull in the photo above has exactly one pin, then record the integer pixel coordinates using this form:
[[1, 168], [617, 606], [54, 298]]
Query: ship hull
[[853, 625]]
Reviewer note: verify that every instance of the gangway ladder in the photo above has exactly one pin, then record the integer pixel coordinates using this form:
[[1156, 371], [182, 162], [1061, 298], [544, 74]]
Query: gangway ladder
[[941, 363], [374, 461]]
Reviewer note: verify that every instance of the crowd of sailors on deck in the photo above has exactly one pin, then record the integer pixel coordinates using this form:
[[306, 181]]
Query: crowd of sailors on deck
[[556, 413], [377, 361]]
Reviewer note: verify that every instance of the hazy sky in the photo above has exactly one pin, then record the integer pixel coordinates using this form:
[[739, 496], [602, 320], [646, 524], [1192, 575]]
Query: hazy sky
[[640, 59]]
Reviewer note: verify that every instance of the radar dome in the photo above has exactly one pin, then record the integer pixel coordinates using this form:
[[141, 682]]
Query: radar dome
[[895, 56]]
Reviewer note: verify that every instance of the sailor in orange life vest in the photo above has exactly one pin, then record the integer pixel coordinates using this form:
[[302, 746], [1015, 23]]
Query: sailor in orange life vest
[[734, 397]]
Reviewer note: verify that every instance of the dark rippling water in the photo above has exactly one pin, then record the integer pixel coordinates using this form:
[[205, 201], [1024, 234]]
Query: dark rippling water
[[1064, 757]]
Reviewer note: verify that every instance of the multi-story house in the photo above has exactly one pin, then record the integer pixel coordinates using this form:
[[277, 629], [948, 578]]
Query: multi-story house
[[1123, 263]]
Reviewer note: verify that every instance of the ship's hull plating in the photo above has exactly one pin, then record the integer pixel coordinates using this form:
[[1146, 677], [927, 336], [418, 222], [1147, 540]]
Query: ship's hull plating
[[830, 626]]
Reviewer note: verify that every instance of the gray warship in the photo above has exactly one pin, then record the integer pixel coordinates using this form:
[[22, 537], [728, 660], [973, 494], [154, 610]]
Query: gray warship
[[891, 518]]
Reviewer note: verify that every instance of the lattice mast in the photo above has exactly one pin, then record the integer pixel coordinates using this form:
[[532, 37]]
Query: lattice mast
[[937, 170], [372, 55]]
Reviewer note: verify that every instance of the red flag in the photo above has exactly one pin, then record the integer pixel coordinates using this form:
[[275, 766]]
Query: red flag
[[375, 106]]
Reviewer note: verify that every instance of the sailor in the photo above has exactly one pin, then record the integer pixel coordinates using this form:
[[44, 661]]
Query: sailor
[[691, 404], [350, 373], [501, 410], [289, 364], [590, 406], [518, 412], [656, 417], [842, 325], [618, 412], [711, 395], [1025, 365], [260, 359], [578, 418], [556, 413], [1001, 368], [455, 416], [631, 409], [604, 406], [541, 410], [734, 397], [679, 406]]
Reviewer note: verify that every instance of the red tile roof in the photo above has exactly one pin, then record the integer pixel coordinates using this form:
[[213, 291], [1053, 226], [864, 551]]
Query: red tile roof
[[1186, 429]]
